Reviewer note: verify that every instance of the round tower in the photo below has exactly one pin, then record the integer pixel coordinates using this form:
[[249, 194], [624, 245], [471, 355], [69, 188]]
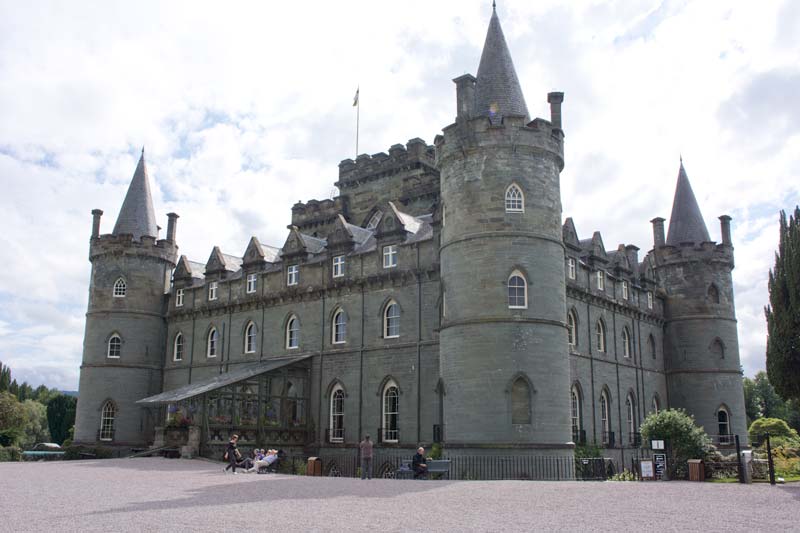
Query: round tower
[[123, 345], [700, 339], [503, 341]]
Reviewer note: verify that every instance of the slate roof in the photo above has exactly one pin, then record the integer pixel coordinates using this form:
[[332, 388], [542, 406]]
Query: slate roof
[[686, 222], [197, 268], [497, 89], [137, 216], [313, 245]]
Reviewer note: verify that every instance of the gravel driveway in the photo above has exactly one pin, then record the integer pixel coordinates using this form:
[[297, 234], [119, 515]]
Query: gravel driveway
[[155, 494]]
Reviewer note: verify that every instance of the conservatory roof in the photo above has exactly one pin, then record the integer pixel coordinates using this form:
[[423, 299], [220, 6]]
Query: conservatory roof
[[238, 374]]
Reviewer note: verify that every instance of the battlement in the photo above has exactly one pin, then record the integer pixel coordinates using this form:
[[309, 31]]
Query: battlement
[[318, 212], [709, 251], [415, 152], [124, 243]]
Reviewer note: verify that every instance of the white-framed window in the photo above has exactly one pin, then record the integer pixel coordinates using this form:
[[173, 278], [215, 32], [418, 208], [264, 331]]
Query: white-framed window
[[177, 348], [292, 333], [391, 412], [250, 338], [723, 425], [605, 418], [374, 220], [649, 299], [630, 404], [572, 329], [600, 336], [515, 200], [179, 297], [337, 414], [572, 268], [390, 256], [391, 320], [339, 327], [114, 346], [212, 290], [624, 290], [601, 280], [444, 215], [212, 343], [120, 288], [655, 407], [107, 415], [626, 342], [292, 275], [252, 280], [444, 303], [517, 291], [520, 401], [338, 266], [575, 411]]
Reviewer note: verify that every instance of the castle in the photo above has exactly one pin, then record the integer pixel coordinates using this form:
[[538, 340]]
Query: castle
[[438, 298]]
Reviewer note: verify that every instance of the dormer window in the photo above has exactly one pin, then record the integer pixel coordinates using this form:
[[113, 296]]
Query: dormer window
[[179, 297], [252, 280], [292, 275], [120, 288], [338, 266], [515, 201], [212, 291], [374, 220], [390, 256], [572, 271], [624, 290], [601, 280]]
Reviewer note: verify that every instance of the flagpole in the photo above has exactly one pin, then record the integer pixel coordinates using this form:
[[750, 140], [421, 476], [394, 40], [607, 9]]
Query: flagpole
[[358, 118]]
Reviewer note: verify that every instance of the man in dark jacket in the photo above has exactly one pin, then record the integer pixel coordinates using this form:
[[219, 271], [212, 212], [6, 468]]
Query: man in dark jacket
[[419, 464], [232, 453]]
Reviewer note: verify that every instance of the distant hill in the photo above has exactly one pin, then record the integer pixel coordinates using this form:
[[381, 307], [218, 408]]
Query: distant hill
[[70, 393]]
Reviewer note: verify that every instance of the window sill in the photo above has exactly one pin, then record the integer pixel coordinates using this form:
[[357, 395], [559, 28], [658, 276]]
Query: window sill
[[339, 343], [391, 337]]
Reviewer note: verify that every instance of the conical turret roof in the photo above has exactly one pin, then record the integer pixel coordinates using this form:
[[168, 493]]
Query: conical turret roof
[[497, 89], [686, 222], [137, 215]]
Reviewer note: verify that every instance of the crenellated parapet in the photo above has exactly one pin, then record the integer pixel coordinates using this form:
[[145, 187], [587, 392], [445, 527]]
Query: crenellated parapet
[[414, 154], [315, 213], [125, 244]]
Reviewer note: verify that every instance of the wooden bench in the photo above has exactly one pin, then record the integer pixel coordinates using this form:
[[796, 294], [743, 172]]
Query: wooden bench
[[435, 466]]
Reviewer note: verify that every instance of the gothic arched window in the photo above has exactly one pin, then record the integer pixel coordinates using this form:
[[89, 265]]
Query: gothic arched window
[[723, 423], [520, 401], [630, 409], [572, 329], [212, 343], [605, 419], [391, 412], [250, 338], [339, 327], [626, 342], [120, 288], [114, 346], [177, 348], [391, 320], [108, 413], [292, 333], [515, 200], [517, 291], [575, 413], [600, 336], [337, 414]]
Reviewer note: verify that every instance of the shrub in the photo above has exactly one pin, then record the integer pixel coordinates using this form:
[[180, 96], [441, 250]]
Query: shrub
[[776, 428], [683, 438], [72, 453], [625, 475], [436, 451], [10, 453]]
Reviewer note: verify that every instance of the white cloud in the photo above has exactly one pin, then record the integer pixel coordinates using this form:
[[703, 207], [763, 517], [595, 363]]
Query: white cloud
[[246, 110]]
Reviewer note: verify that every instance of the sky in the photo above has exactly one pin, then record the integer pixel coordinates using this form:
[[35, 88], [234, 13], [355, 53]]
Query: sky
[[245, 108]]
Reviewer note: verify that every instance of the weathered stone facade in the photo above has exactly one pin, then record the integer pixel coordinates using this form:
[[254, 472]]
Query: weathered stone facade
[[398, 292]]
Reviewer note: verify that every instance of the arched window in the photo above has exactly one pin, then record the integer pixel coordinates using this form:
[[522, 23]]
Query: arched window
[[339, 327], [114, 346], [337, 414], [600, 336], [655, 406], [250, 338], [520, 401], [713, 294], [517, 291], [651, 346], [212, 343], [572, 329], [120, 288], [717, 349], [177, 348], [107, 421], [292, 333], [723, 424], [630, 406], [575, 414], [626, 342], [605, 420], [515, 201], [391, 320], [391, 412]]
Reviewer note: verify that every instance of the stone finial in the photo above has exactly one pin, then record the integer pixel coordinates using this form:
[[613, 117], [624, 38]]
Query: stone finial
[[96, 214], [725, 229], [658, 232]]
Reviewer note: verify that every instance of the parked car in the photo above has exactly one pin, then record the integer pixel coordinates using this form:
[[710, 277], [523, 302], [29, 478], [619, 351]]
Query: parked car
[[46, 447]]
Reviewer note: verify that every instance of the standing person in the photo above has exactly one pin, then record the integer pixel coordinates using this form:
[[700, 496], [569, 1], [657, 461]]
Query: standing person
[[232, 453], [366, 458], [420, 464]]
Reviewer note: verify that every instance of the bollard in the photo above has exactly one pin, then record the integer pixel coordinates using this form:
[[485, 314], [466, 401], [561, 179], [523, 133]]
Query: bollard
[[739, 459]]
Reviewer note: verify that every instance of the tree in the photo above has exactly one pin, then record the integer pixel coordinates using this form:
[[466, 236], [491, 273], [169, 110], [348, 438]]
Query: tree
[[775, 427], [5, 378], [14, 388], [752, 407], [12, 420], [783, 311], [61, 416], [683, 438], [35, 427]]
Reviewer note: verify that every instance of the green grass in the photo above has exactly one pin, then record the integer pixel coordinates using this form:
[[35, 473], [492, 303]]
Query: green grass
[[787, 479]]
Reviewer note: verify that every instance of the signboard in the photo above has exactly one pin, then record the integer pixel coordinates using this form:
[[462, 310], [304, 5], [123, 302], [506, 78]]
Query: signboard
[[660, 465], [647, 470], [657, 444]]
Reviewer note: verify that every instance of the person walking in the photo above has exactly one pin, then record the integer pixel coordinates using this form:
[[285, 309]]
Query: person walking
[[232, 454], [365, 446]]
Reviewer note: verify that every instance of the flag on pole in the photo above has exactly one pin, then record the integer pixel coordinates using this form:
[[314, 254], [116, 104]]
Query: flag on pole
[[355, 99]]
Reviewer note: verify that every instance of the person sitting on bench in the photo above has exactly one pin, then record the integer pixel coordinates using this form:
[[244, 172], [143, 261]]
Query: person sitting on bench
[[420, 464], [271, 457]]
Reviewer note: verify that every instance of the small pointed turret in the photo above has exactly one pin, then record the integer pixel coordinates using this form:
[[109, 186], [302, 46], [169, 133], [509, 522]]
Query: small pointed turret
[[686, 222], [137, 215], [497, 89]]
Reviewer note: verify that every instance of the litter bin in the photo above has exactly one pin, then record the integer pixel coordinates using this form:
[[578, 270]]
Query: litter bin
[[697, 470], [314, 466]]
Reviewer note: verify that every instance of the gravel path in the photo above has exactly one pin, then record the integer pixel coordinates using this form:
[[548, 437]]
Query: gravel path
[[154, 494]]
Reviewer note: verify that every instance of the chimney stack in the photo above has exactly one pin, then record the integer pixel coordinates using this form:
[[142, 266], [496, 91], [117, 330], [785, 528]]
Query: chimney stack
[[171, 227], [465, 96], [658, 232], [96, 214], [555, 100], [725, 229]]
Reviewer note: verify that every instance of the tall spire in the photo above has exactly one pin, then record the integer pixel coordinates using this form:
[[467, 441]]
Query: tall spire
[[686, 222], [137, 215], [497, 89]]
